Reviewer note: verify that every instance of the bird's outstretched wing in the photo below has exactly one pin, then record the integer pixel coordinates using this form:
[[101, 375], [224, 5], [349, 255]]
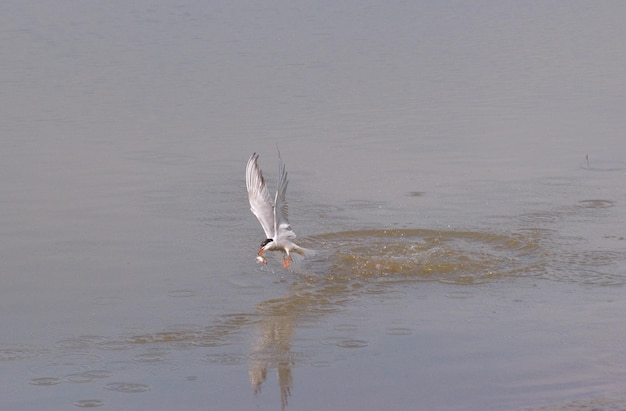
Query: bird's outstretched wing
[[261, 203], [281, 211]]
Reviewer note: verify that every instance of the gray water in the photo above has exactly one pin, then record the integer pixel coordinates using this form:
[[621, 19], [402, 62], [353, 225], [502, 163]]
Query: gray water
[[459, 168]]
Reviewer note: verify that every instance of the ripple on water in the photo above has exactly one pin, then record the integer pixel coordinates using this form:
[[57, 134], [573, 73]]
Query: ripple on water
[[127, 387], [275, 357], [152, 356], [107, 300], [82, 342], [93, 403], [596, 204], [321, 364], [280, 306], [545, 217], [591, 259], [222, 219], [352, 343], [215, 336], [343, 342], [185, 337], [346, 327], [594, 277], [56, 370], [226, 358], [239, 319], [87, 376], [181, 293], [168, 336], [77, 359], [460, 295], [114, 345], [158, 157], [588, 267], [398, 331], [20, 351], [45, 381], [120, 365], [318, 300]]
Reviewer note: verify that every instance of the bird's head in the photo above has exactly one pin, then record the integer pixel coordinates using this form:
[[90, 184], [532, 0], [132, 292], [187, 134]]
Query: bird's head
[[264, 244]]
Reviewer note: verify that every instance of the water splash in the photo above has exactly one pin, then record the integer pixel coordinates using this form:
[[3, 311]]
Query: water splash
[[456, 257]]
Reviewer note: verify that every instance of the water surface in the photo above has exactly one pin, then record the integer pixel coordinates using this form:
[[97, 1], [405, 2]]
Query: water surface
[[460, 171]]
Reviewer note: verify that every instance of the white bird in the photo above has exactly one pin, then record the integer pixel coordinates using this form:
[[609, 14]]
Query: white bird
[[273, 215]]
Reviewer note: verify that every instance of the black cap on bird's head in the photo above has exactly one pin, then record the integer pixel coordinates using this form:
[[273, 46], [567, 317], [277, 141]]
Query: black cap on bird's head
[[265, 242]]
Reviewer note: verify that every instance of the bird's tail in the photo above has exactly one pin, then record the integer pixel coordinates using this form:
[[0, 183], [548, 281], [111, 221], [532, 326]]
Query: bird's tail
[[296, 255], [305, 252], [299, 253]]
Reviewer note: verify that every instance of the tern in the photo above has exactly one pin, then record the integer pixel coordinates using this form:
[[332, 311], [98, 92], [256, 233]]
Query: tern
[[273, 215]]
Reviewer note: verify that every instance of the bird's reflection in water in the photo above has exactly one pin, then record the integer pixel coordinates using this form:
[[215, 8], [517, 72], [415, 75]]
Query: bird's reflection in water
[[272, 349], [309, 298]]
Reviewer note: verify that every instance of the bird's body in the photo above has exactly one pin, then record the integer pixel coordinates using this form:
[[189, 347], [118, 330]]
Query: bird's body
[[272, 214]]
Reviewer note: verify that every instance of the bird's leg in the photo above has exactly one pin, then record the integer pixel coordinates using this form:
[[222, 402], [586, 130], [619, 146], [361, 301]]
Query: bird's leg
[[286, 260]]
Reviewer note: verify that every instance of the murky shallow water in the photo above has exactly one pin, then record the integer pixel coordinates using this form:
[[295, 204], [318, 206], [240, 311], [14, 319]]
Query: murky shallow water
[[459, 171], [369, 300]]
